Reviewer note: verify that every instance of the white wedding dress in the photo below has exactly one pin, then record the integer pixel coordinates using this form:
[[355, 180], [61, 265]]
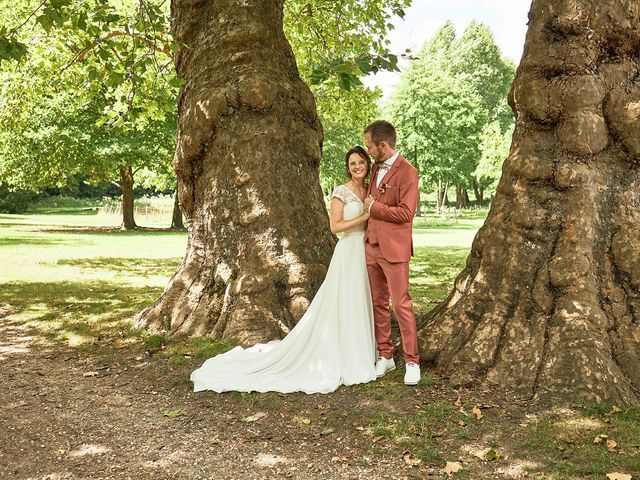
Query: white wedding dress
[[333, 344]]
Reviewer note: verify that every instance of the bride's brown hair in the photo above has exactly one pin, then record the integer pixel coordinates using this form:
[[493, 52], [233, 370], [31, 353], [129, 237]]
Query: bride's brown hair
[[360, 151]]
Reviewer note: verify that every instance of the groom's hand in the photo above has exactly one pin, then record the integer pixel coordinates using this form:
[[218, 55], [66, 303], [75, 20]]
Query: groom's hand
[[367, 202]]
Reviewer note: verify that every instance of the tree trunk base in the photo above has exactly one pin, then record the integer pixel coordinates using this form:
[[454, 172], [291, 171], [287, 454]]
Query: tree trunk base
[[247, 159], [549, 301]]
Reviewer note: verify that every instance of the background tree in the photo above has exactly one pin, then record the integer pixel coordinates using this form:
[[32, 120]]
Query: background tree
[[335, 43], [494, 148], [91, 97], [437, 118], [548, 302], [447, 96]]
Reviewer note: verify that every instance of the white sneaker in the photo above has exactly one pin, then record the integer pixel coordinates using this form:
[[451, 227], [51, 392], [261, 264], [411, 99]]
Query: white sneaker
[[412, 375], [383, 365]]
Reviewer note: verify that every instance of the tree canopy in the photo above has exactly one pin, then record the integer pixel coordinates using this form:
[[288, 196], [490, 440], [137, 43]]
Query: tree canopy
[[450, 94], [93, 72]]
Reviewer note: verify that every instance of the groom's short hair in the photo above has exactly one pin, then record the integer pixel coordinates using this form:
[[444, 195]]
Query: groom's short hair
[[381, 130]]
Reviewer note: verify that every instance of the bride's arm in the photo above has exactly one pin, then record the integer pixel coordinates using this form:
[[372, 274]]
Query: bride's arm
[[336, 218]]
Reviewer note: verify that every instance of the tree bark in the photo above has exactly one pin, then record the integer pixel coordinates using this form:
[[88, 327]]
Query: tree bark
[[477, 191], [126, 187], [549, 301], [441, 194], [461, 198], [247, 159], [176, 216]]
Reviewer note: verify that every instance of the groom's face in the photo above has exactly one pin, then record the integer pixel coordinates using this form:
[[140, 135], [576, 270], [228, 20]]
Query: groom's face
[[378, 152]]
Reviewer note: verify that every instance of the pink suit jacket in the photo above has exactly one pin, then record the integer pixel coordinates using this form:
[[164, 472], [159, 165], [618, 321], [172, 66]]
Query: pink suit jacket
[[392, 213]]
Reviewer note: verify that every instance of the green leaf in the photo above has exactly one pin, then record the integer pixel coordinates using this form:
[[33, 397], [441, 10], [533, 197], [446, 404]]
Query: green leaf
[[116, 78], [176, 82], [344, 81], [60, 3], [45, 21], [318, 76], [172, 413], [81, 23]]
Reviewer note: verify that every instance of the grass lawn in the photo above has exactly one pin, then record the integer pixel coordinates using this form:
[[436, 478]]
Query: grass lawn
[[77, 283]]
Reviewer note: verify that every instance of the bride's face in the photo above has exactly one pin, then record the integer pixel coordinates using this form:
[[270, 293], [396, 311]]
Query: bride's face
[[358, 167]]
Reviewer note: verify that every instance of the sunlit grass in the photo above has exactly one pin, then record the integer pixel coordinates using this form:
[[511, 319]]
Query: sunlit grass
[[567, 441], [75, 281]]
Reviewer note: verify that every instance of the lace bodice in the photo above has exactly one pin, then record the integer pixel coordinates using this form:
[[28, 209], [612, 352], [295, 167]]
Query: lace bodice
[[353, 206]]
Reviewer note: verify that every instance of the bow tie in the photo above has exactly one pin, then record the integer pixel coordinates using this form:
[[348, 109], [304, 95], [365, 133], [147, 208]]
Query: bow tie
[[384, 166]]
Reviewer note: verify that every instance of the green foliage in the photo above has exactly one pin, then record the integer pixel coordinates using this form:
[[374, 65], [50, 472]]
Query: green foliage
[[15, 201], [95, 93], [495, 148], [446, 99], [335, 44], [99, 74]]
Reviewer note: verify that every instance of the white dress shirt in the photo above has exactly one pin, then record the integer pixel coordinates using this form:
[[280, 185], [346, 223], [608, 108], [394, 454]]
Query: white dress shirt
[[386, 166], [380, 174]]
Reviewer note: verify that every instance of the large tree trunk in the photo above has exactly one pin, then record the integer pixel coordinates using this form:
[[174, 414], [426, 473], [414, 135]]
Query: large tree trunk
[[176, 216], [247, 158], [126, 187], [549, 301]]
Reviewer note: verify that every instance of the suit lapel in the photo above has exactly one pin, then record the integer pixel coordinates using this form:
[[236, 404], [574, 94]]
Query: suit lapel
[[394, 169], [374, 172]]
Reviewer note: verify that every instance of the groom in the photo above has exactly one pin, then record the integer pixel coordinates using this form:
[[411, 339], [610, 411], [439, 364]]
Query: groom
[[392, 201]]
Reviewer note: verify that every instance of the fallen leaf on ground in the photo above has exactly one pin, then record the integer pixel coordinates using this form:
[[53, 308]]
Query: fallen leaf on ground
[[619, 476], [301, 420], [614, 410], [478, 413], [600, 438], [340, 459], [378, 438], [90, 374], [491, 456], [452, 467], [409, 460], [254, 418], [326, 432], [611, 445], [458, 402], [172, 413]]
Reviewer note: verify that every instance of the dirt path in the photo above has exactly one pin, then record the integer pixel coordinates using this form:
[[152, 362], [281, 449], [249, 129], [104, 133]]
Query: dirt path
[[120, 413]]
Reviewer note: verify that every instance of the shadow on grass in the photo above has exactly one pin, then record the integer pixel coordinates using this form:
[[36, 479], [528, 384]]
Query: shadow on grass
[[429, 225], [131, 266], [106, 231], [39, 241], [76, 313], [433, 271]]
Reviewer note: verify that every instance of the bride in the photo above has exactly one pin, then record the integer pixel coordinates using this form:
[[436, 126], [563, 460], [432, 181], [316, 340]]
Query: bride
[[333, 344]]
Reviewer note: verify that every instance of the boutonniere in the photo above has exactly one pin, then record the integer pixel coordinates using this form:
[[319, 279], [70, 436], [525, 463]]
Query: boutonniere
[[383, 188]]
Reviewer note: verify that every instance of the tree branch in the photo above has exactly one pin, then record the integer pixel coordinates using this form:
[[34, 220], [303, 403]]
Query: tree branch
[[82, 54], [15, 30]]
